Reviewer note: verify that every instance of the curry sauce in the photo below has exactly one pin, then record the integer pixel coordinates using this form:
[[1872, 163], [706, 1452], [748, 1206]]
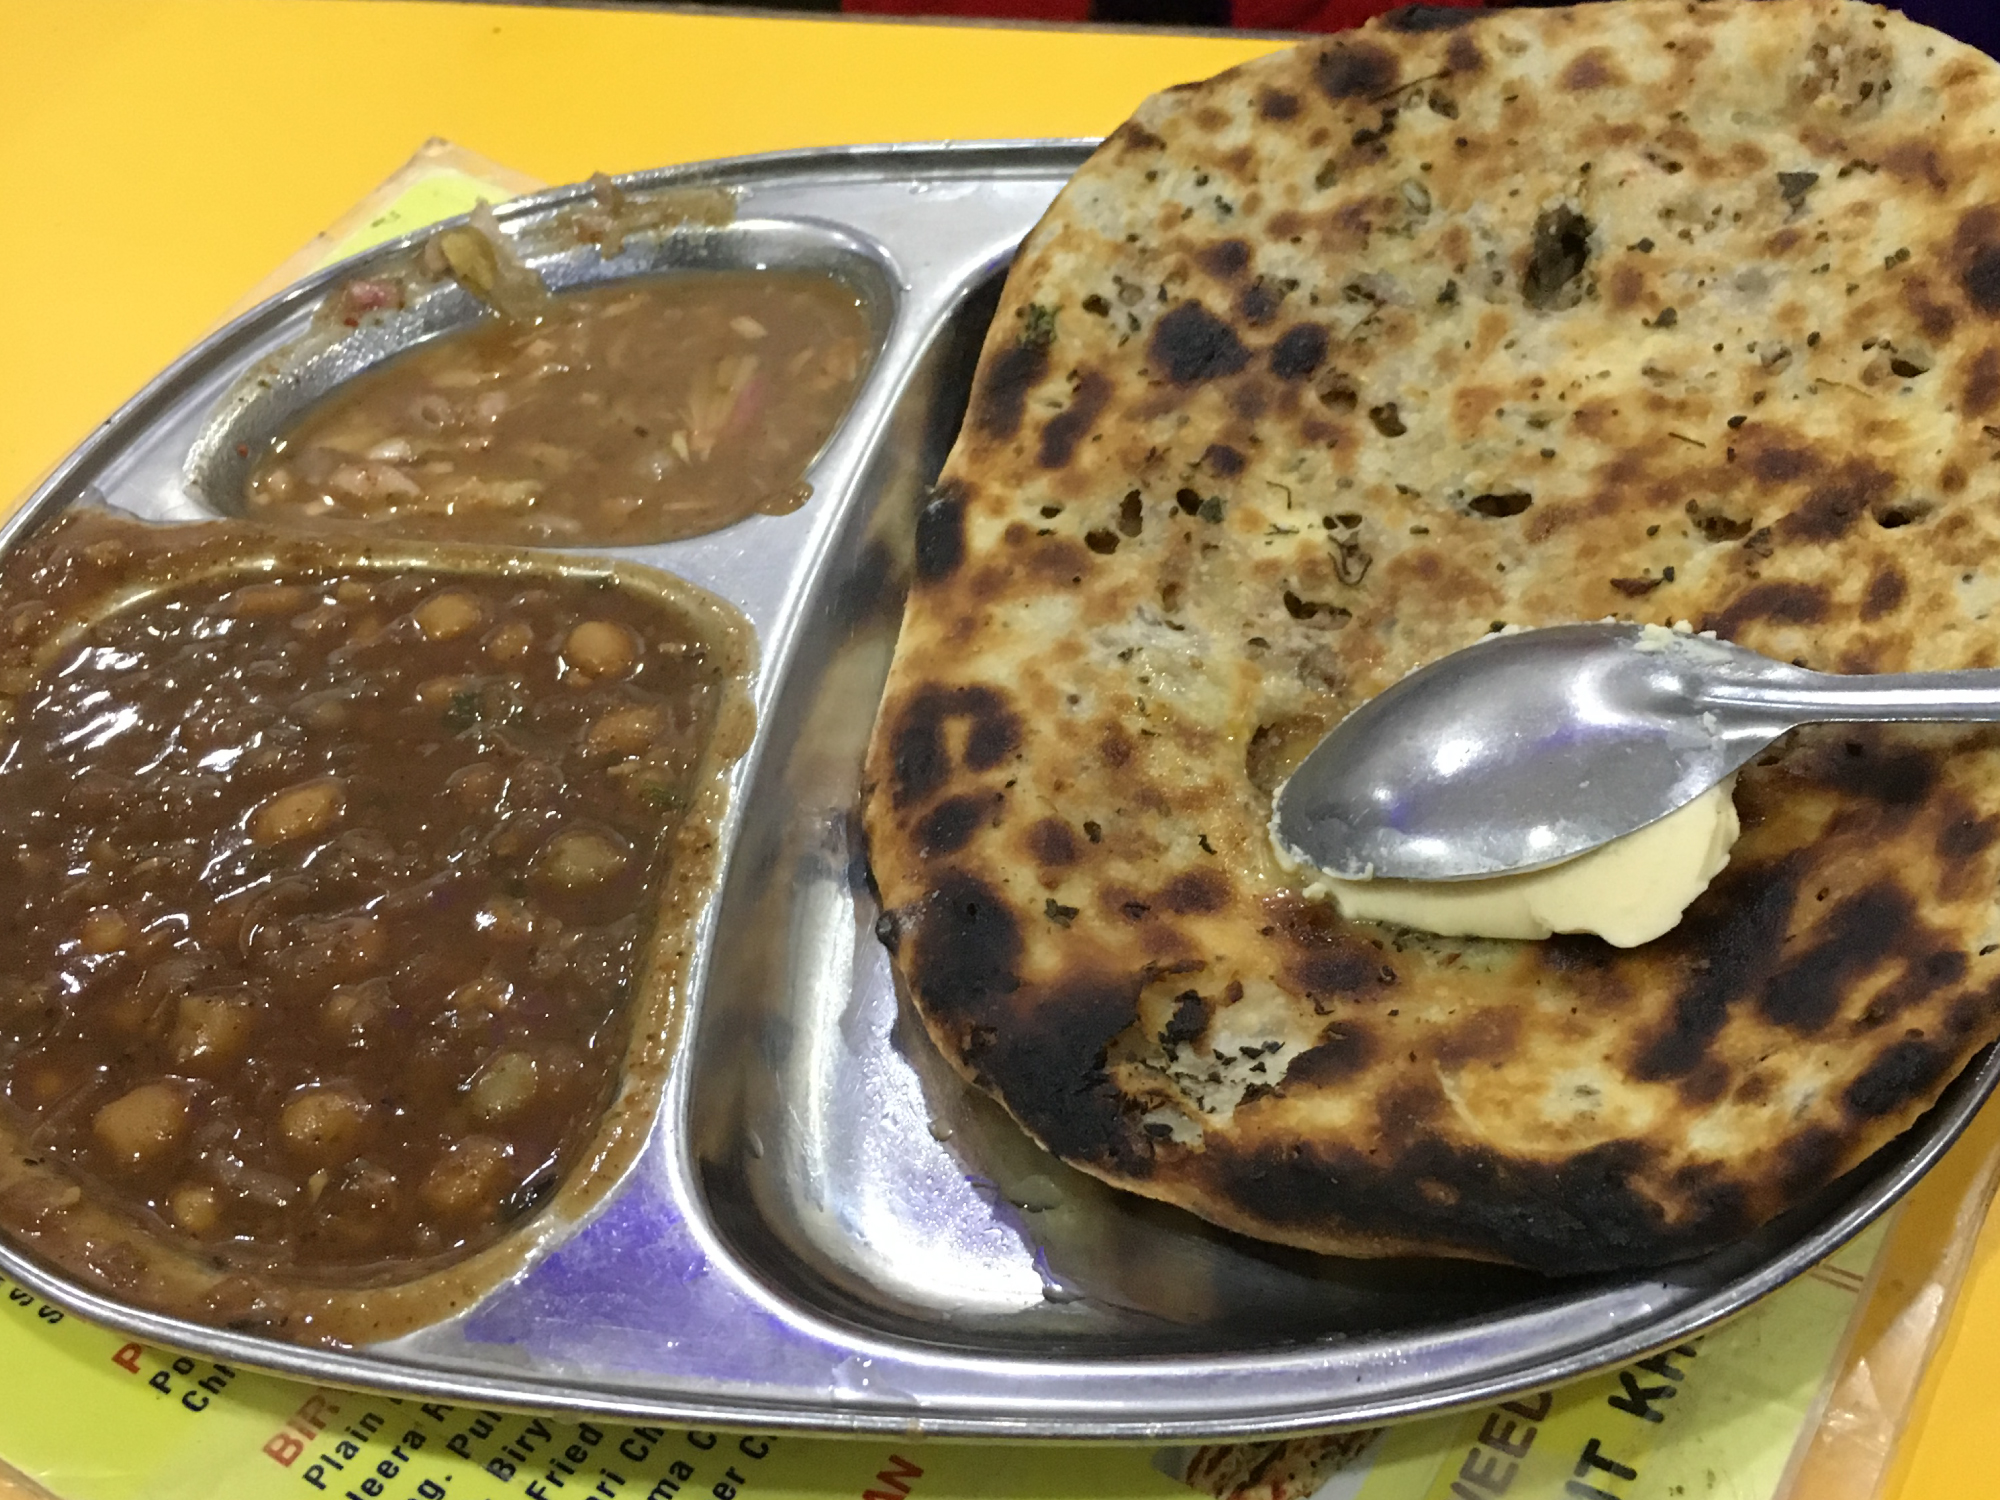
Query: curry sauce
[[332, 887], [640, 412]]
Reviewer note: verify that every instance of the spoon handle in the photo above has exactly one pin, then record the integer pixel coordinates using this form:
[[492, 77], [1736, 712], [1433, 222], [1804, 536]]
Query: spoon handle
[[1888, 697]]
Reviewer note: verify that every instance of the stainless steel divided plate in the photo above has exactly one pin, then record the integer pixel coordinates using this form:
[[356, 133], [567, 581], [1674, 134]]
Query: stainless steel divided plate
[[827, 1229]]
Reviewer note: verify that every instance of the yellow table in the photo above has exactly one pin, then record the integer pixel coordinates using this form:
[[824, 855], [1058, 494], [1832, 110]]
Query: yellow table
[[159, 157]]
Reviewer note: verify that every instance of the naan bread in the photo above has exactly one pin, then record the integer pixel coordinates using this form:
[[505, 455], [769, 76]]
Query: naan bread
[[1328, 366]]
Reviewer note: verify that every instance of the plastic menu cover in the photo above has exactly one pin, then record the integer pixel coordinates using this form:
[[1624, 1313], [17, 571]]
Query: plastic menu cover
[[1719, 1416]]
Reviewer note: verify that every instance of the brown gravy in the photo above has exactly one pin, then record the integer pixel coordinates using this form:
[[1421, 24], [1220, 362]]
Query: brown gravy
[[330, 889], [626, 414]]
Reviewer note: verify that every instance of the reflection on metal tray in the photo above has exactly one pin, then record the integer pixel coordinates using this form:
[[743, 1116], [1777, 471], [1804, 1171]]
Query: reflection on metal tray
[[827, 1229]]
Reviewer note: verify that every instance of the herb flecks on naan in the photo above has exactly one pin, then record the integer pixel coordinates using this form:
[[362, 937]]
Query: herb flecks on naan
[[1328, 366]]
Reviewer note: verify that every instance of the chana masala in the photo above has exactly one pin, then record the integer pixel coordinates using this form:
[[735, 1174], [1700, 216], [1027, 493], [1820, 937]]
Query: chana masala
[[331, 888], [640, 412]]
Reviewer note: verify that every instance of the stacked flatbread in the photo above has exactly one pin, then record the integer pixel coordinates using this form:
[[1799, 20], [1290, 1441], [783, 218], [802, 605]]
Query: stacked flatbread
[[1323, 368]]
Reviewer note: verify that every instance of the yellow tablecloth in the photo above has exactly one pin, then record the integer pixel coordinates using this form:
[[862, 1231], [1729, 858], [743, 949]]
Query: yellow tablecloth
[[159, 157]]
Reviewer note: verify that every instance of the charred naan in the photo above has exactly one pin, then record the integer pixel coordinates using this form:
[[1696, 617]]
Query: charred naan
[[1332, 364]]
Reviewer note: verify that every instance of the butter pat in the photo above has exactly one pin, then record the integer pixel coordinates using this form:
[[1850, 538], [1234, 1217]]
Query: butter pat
[[1628, 891]]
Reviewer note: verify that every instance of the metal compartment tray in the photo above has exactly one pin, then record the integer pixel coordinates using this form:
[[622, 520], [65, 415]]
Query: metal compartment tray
[[826, 1229]]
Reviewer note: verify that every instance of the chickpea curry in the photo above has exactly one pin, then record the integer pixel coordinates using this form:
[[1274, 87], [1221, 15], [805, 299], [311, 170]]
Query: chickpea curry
[[641, 412], [329, 891]]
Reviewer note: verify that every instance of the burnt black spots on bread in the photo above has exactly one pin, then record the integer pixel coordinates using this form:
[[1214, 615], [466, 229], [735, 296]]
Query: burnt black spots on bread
[[1982, 383], [1568, 1218], [1002, 397], [1916, 161], [1225, 259], [1188, 1022], [1258, 302], [1861, 933], [1575, 953], [1886, 590], [1326, 957], [963, 948], [949, 826], [1897, 780], [1735, 933], [1277, 104], [1705, 1084], [1222, 460], [1556, 258], [1921, 982], [1774, 603], [1356, 70], [1299, 351], [1413, 19], [1772, 462], [1344, 1049], [1193, 893], [1071, 425], [1967, 836], [940, 544], [1190, 345], [1713, 1196], [1052, 843], [1462, 55], [1488, 1036], [1839, 503], [1904, 1073], [1972, 1012], [1982, 280], [1937, 321], [1047, 1064], [1976, 248], [1407, 1105], [994, 733], [1341, 968], [920, 759], [1588, 70], [1042, 1052], [1809, 1159]]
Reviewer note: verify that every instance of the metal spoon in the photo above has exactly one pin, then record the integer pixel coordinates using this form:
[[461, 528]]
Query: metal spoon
[[1528, 749]]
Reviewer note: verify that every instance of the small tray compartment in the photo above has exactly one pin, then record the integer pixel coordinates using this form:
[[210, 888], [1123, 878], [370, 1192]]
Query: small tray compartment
[[344, 895], [285, 388]]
